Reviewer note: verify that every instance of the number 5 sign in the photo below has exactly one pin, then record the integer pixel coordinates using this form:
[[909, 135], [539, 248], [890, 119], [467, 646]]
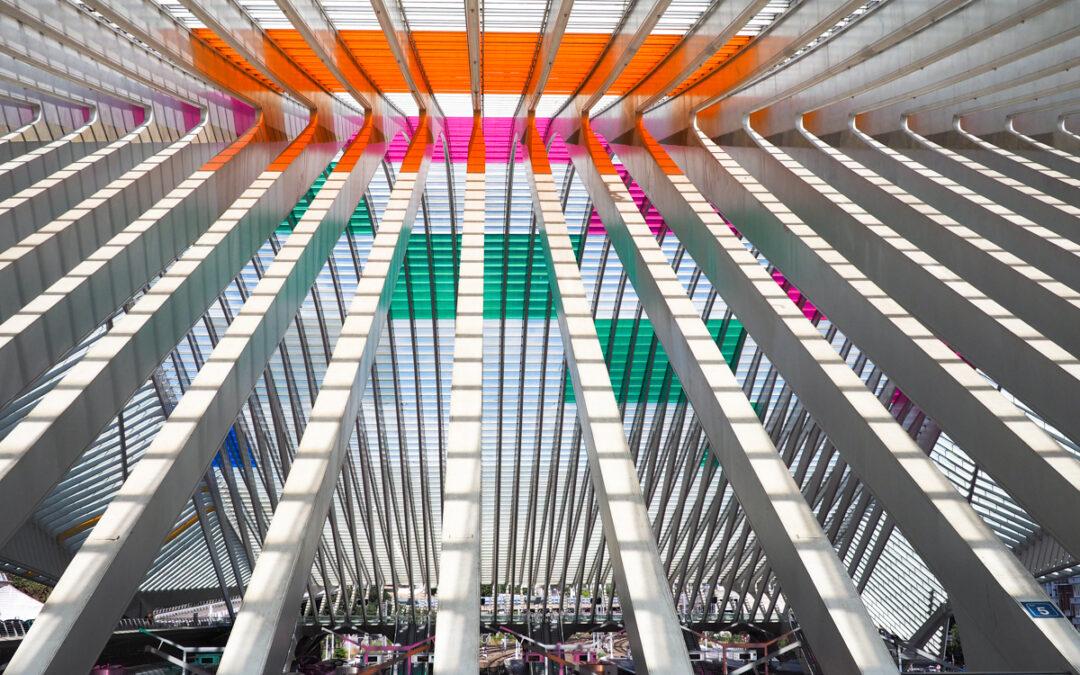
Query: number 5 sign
[[1042, 609]]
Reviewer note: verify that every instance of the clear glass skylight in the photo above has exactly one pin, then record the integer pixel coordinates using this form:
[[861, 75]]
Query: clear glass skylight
[[180, 12], [434, 15], [515, 16], [266, 13], [596, 16], [832, 32], [763, 19], [680, 16], [350, 14]]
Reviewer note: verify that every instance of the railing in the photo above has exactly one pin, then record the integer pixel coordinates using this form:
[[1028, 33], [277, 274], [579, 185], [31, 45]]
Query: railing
[[17, 628], [13, 628], [769, 650], [138, 624]]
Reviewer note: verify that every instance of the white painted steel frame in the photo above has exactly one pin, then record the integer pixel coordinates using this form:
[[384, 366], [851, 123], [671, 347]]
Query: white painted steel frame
[[833, 617], [36, 454], [649, 612], [457, 635], [98, 583], [966, 405], [263, 632], [985, 581], [901, 29], [78, 281]]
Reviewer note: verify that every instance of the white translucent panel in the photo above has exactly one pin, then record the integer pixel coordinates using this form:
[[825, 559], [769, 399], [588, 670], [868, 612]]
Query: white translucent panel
[[178, 10], [351, 14], [680, 16], [514, 16], [455, 105], [596, 16], [549, 104], [832, 32], [266, 13], [434, 15], [764, 18], [404, 102], [501, 105]]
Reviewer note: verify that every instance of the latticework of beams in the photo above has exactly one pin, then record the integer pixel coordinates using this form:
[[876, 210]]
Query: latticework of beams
[[418, 319]]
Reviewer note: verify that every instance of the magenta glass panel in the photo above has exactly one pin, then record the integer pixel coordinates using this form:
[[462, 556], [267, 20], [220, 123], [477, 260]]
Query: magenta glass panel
[[496, 139]]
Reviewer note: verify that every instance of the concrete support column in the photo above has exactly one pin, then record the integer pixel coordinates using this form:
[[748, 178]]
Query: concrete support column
[[833, 617], [38, 252], [1025, 173], [1024, 145], [1025, 291], [457, 635], [999, 436], [263, 631], [29, 167], [35, 455], [72, 283], [1034, 368], [91, 596], [644, 592], [47, 198], [1025, 207], [12, 142], [982, 576]]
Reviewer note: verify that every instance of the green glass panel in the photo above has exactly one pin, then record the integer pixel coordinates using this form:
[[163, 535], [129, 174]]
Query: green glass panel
[[286, 226], [428, 262], [515, 251], [359, 222], [623, 367], [438, 257], [430, 284]]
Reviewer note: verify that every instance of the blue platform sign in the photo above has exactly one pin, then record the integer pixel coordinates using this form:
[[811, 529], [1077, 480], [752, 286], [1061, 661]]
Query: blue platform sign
[[1042, 609]]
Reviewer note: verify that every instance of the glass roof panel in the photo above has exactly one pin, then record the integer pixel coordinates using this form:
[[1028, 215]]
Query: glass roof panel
[[178, 10], [403, 416], [434, 15], [350, 14], [596, 16], [266, 13], [513, 16], [680, 16], [764, 18]]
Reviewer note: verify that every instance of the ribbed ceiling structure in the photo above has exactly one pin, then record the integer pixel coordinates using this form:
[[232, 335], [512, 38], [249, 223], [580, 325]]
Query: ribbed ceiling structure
[[675, 314]]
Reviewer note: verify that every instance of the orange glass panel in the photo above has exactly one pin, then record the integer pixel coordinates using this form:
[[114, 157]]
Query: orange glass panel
[[476, 159], [715, 61], [223, 48], [417, 147], [652, 51], [538, 156], [296, 47], [577, 54], [445, 58], [355, 149], [599, 155], [667, 164], [507, 58], [372, 52], [290, 153], [219, 160]]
